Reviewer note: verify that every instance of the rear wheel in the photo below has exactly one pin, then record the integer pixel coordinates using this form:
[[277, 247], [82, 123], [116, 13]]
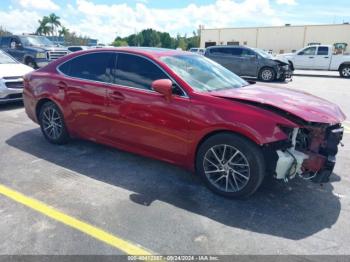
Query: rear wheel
[[267, 74], [230, 165], [52, 124], [344, 71]]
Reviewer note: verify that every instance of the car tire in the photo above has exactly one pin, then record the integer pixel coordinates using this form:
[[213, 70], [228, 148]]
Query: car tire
[[344, 71], [52, 124], [267, 74], [31, 63], [241, 170]]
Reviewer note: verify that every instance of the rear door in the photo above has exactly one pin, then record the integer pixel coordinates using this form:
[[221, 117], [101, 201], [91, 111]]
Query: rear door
[[84, 85], [305, 59], [142, 118], [322, 58]]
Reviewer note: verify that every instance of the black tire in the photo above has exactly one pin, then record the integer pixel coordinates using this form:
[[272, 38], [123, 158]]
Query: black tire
[[30, 62], [267, 74], [52, 134], [249, 153], [344, 71]]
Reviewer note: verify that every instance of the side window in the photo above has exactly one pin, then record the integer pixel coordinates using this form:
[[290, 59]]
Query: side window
[[308, 51], [95, 66], [220, 51], [248, 52], [322, 50], [138, 72], [236, 51]]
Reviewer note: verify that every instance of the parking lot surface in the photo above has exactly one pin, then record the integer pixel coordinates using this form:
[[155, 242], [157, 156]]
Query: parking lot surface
[[158, 207]]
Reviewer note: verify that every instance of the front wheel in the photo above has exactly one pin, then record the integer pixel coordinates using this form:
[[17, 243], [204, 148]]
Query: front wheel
[[31, 63], [344, 71], [52, 124], [230, 165], [267, 74]]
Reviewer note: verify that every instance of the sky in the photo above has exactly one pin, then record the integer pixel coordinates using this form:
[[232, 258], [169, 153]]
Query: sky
[[106, 19]]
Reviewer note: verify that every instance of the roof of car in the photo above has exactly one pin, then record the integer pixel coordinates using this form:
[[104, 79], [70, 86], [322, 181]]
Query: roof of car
[[148, 51], [227, 46]]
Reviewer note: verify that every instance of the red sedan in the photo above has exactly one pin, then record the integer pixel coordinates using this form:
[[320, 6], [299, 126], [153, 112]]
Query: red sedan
[[187, 110]]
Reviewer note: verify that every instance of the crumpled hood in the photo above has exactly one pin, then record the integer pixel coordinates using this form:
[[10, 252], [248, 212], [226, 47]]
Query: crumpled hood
[[303, 105], [8, 70], [281, 59]]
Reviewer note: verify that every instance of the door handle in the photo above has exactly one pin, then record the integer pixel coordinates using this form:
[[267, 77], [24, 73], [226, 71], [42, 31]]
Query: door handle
[[311, 57], [326, 57], [115, 95], [62, 85]]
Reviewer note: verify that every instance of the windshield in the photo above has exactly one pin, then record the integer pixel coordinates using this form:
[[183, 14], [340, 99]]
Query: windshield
[[203, 74], [6, 59], [263, 53], [35, 41]]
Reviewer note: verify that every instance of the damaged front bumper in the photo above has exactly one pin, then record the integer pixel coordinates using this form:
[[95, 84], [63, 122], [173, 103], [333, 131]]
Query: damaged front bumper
[[309, 153]]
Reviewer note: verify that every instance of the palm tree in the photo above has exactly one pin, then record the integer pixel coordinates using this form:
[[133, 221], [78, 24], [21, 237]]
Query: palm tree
[[64, 31], [54, 21], [44, 28]]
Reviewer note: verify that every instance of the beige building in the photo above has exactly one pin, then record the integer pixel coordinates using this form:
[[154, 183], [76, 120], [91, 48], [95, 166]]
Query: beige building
[[278, 39]]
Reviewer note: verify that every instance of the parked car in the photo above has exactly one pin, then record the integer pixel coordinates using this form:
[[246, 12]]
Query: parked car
[[319, 57], [200, 51], [77, 48], [11, 78], [187, 110], [248, 62], [32, 50]]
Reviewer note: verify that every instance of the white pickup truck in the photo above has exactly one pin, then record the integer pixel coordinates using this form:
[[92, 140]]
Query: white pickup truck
[[319, 57]]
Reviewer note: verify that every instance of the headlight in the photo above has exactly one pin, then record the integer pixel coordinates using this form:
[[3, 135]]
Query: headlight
[[40, 55]]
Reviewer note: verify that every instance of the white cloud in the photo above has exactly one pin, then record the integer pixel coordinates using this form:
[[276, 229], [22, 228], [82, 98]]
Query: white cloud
[[39, 4], [106, 21], [19, 21], [286, 2]]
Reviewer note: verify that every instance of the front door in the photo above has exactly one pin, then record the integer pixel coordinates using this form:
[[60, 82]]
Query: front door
[[142, 118], [305, 59]]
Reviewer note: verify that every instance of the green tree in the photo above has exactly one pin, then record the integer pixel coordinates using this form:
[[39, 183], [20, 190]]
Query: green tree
[[54, 22], [166, 40], [64, 31], [120, 42], [151, 38], [44, 28]]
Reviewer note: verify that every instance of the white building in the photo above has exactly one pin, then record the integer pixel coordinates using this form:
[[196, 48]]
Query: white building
[[278, 39]]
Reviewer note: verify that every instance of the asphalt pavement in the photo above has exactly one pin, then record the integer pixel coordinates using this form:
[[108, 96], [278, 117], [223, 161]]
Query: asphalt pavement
[[157, 207]]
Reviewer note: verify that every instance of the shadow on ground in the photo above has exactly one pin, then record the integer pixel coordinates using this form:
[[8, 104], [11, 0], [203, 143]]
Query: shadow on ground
[[293, 211], [10, 106]]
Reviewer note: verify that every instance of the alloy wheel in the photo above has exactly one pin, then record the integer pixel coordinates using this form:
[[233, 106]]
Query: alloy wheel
[[346, 71], [267, 75], [226, 168], [52, 123]]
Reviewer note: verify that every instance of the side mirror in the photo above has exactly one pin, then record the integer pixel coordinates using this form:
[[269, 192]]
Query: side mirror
[[164, 87], [18, 45]]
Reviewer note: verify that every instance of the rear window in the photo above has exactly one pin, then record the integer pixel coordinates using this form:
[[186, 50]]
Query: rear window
[[95, 66], [322, 50]]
